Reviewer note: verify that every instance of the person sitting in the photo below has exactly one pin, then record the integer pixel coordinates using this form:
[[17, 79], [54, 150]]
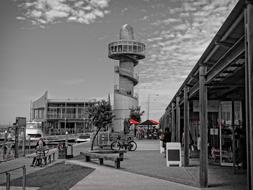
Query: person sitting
[[40, 153]]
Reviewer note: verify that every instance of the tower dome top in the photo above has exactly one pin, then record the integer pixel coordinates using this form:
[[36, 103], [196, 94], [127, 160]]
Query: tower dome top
[[126, 32]]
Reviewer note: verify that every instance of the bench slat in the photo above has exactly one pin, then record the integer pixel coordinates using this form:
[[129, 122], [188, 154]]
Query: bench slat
[[102, 157]]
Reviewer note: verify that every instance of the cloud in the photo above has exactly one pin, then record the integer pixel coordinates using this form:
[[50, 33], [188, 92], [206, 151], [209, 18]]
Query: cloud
[[42, 12], [174, 45], [122, 12]]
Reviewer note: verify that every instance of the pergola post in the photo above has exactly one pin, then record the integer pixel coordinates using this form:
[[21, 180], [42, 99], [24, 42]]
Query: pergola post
[[248, 89], [177, 120], [186, 126], [173, 123], [203, 173]]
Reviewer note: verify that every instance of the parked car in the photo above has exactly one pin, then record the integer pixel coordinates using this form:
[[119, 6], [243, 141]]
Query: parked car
[[83, 138]]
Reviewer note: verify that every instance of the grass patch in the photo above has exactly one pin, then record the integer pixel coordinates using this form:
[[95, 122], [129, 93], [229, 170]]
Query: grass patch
[[59, 176]]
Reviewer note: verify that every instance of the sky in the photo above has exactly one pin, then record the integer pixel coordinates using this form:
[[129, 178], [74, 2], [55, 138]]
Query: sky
[[60, 46]]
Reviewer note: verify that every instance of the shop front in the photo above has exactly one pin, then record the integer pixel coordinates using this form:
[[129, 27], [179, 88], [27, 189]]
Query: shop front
[[226, 133]]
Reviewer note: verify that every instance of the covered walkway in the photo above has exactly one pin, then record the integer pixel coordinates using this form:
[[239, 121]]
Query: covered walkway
[[215, 100]]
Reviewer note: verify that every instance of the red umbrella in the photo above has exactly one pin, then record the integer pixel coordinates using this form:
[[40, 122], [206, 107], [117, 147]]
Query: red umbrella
[[149, 122], [155, 122], [132, 121]]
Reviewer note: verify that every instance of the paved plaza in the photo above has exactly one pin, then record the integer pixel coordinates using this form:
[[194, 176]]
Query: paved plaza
[[142, 169]]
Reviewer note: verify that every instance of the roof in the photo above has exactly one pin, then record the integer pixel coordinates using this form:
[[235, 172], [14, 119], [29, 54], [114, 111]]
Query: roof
[[224, 58]]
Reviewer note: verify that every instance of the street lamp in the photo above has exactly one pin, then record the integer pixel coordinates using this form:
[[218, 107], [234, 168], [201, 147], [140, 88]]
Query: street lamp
[[149, 105]]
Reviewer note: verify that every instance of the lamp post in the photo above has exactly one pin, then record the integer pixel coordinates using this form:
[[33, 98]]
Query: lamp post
[[66, 138], [148, 106]]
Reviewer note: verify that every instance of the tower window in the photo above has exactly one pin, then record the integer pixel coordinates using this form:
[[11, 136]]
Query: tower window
[[120, 48], [125, 48]]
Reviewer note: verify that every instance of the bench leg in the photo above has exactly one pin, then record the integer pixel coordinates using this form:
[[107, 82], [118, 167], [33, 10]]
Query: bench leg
[[117, 163], [39, 162], [49, 159], [121, 156], [87, 158], [45, 160], [53, 157], [101, 161]]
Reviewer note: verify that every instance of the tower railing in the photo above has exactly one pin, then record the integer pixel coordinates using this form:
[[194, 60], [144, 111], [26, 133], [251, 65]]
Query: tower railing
[[126, 47], [125, 92], [127, 73]]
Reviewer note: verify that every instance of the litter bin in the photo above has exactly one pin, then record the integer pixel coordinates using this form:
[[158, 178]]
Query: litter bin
[[71, 152], [62, 151]]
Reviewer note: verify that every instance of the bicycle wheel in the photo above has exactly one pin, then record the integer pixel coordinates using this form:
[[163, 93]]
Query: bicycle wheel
[[115, 145], [132, 146]]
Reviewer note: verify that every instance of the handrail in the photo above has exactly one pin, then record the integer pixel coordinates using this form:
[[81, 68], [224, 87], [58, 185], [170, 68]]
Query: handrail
[[12, 169], [8, 177]]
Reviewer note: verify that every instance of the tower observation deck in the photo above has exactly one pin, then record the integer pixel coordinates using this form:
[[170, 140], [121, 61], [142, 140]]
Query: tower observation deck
[[128, 52]]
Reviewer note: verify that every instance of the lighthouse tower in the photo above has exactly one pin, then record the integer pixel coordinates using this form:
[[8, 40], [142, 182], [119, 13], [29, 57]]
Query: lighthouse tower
[[128, 52]]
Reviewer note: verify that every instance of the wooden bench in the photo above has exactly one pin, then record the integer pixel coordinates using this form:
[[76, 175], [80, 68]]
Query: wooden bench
[[105, 155], [48, 158]]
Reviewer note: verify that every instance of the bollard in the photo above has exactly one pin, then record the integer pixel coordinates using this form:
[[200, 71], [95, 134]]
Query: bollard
[[8, 181], [24, 178]]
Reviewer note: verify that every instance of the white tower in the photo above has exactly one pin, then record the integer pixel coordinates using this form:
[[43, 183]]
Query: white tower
[[128, 52]]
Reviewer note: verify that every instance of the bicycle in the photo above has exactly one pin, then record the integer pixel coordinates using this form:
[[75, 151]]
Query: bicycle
[[130, 145]]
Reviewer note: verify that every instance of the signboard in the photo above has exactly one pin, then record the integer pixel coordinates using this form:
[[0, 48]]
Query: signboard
[[21, 121], [173, 154], [214, 131]]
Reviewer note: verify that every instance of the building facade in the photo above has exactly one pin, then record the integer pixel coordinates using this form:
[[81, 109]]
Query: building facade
[[128, 52], [60, 115]]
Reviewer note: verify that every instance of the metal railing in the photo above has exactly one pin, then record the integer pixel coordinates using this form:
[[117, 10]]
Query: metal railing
[[8, 177], [126, 72], [125, 92]]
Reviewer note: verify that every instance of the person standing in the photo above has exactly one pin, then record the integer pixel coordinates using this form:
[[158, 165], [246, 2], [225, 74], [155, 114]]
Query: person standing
[[166, 138], [198, 142]]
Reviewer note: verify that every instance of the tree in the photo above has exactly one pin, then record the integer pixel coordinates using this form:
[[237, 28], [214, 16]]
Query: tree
[[136, 113], [100, 114]]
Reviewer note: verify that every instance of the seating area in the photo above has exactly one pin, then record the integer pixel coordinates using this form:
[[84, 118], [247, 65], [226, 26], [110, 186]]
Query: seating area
[[42, 159], [102, 155]]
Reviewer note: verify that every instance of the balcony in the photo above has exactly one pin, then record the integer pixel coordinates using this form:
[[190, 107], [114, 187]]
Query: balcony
[[135, 50], [65, 116]]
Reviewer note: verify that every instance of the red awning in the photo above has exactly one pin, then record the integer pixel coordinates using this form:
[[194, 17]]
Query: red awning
[[132, 121]]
